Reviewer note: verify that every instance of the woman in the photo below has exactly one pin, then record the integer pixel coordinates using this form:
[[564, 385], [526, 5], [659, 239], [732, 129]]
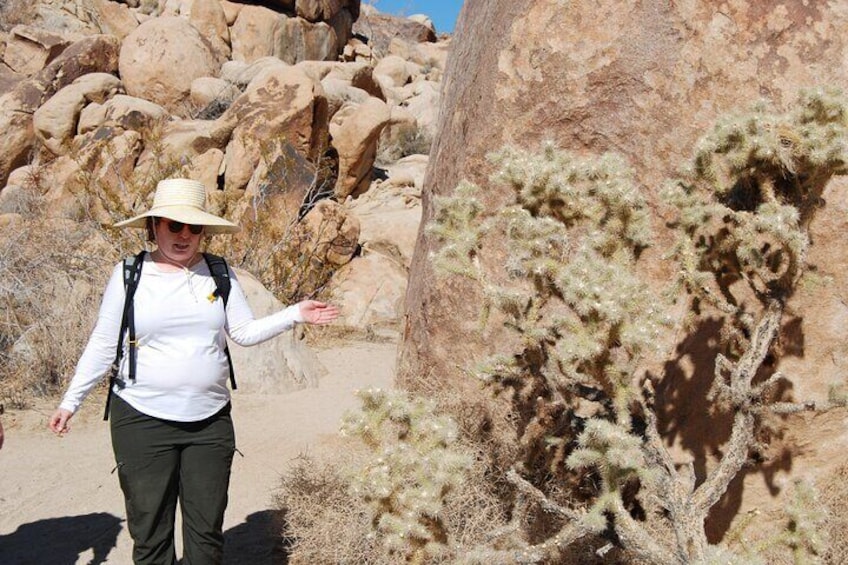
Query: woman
[[171, 428]]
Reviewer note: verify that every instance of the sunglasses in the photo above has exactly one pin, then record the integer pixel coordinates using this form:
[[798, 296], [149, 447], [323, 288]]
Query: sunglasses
[[177, 227]]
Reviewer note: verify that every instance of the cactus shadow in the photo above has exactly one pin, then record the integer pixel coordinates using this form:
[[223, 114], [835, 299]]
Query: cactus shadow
[[694, 428]]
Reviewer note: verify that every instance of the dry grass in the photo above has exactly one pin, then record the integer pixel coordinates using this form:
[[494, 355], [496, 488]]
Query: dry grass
[[51, 276], [402, 141], [327, 523], [324, 523]]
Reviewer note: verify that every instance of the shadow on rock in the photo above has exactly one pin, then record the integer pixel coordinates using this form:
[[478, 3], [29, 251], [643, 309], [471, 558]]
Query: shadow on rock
[[60, 541], [256, 541]]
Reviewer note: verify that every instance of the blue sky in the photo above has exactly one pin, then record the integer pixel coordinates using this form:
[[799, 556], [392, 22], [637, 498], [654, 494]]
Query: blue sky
[[442, 12]]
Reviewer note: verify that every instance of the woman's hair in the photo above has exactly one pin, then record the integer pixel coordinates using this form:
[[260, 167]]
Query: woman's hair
[[151, 221]]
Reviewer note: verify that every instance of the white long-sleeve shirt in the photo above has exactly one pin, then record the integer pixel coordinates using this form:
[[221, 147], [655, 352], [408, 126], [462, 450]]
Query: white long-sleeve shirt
[[181, 367]]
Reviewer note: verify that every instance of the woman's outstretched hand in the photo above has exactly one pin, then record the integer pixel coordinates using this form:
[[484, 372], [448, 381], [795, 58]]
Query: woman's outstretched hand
[[59, 421], [315, 312]]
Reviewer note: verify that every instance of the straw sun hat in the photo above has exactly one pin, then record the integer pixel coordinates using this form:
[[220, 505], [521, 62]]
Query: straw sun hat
[[183, 200]]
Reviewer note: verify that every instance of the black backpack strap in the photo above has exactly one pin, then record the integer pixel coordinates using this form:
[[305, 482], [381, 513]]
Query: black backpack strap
[[132, 274], [221, 275]]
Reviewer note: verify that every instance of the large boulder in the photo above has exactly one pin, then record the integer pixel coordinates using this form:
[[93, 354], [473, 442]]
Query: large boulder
[[98, 53], [161, 58], [273, 201], [333, 233], [253, 32], [355, 131], [242, 73], [29, 49], [380, 29], [291, 237], [343, 82], [121, 111], [370, 292], [300, 40], [9, 78], [210, 94], [92, 183], [319, 10], [115, 18], [208, 17], [281, 105], [370, 289], [423, 104], [340, 92], [261, 32], [646, 80], [357, 74], [55, 122], [279, 365], [286, 6], [390, 212], [181, 141]]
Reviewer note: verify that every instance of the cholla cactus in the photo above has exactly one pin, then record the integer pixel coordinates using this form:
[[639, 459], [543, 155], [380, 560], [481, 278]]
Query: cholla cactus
[[574, 231], [745, 208], [585, 321], [415, 467], [584, 318]]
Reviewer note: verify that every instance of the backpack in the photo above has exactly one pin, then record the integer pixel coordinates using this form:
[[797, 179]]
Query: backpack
[[132, 274]]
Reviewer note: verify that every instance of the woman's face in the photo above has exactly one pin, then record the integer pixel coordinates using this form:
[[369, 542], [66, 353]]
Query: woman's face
[[178, 242]]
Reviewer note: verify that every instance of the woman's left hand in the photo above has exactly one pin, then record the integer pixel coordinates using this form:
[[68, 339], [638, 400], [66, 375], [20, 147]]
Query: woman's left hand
[[315, 312]]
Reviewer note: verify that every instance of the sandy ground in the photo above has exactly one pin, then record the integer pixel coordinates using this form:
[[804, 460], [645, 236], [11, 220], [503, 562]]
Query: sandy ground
[[60, 503]]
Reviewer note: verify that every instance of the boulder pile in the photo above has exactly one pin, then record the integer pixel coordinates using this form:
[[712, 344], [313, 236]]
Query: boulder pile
[[309, 122]]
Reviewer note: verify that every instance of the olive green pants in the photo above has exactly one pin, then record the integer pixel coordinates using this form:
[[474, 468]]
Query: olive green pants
[[161, 462]]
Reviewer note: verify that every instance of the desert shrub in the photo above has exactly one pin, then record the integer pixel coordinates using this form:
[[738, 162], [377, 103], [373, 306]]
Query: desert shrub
[[591, 479], [402, 141], [414, 470], [110, 184], [52, 274], [399, 488], [323, 520], [213, 110]]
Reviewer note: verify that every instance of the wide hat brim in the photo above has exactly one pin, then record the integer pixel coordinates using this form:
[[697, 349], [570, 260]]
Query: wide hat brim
[[182, 200], [184, 214]]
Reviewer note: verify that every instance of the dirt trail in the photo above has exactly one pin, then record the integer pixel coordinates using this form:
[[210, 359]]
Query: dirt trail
[[60, 504]]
